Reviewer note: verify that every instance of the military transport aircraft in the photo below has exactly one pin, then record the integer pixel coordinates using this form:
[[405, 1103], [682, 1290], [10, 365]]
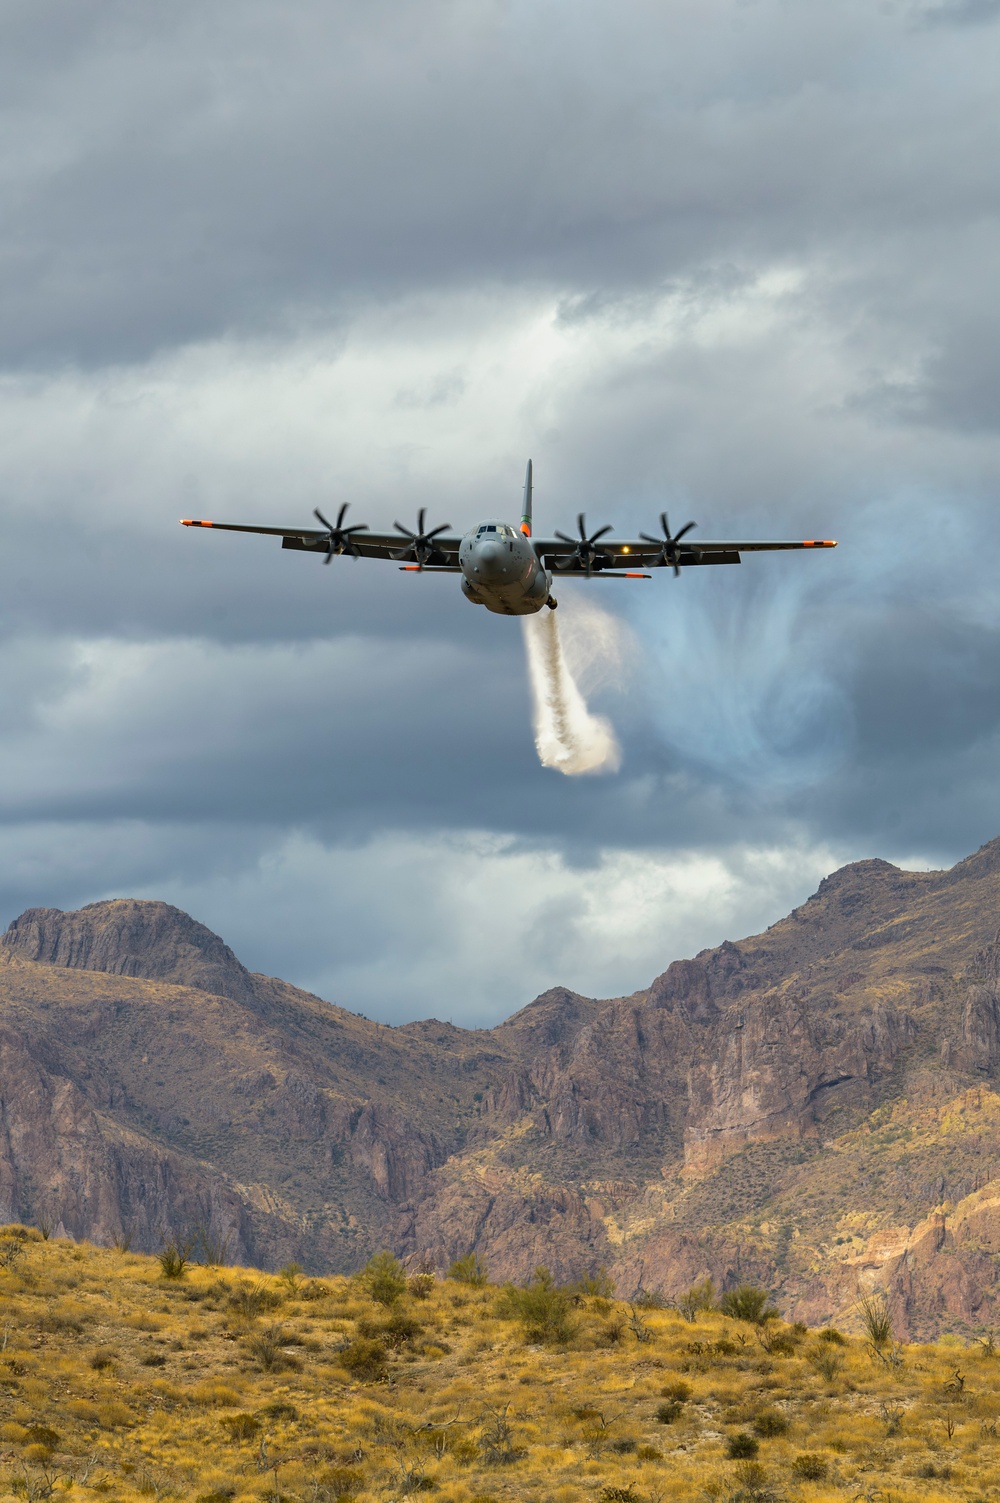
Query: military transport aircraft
[[506, 568]]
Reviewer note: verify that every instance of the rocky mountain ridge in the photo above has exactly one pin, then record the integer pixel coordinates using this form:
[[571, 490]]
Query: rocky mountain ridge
[[812, 1106]]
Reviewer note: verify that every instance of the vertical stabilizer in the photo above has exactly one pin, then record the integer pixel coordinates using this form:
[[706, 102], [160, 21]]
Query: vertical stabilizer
[[526, 511]]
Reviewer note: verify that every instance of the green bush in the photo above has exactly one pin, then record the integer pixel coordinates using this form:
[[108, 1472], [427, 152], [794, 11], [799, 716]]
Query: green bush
[[397, 1330], [742, 1446], [365, 1359], [250, 1300], [240, 1426], [810, 1467], [749, 1303], [700, 1297], [384, 1279], [770, 1422], [875, 1318], [174, 1259], [831, 1334], [469, 1270], [541, 1307], [669, 1412]]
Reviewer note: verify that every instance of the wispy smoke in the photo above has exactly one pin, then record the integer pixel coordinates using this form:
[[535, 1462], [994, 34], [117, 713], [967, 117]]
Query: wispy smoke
[[568, 736]]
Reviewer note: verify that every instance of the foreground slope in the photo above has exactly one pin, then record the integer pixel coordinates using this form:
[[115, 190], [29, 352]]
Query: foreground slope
[[227, 1384], [813, 1107]]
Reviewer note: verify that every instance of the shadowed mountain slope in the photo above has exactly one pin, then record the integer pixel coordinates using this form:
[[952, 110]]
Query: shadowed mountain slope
[[813, 1106]]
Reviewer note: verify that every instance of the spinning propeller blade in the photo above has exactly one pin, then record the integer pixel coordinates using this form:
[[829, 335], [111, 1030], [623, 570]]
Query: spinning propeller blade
[[338, 538], [586, 551], [668, 545]]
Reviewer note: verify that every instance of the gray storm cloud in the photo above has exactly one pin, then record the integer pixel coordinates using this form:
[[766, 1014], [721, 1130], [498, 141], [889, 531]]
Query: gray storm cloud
[[736, 261]]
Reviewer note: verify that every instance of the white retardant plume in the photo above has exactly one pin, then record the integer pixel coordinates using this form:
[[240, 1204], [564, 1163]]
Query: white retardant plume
[[567, 735]]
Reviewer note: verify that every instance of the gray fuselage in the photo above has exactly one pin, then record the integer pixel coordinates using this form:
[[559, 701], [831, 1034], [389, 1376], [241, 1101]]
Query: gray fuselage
[[502, 571]]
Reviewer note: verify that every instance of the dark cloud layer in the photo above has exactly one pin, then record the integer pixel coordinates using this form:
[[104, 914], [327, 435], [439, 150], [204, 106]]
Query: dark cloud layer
[[732, 260]]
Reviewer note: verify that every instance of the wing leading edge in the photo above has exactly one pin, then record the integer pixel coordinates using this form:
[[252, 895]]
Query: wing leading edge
[[616, 552]]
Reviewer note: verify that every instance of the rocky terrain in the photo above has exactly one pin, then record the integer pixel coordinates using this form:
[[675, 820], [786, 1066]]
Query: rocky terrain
[[813, 1107]]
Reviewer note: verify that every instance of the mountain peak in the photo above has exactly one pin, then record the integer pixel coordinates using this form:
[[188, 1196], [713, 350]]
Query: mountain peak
[[131, 937]]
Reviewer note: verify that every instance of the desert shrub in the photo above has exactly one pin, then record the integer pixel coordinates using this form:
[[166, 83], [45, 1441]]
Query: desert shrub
[[173, 1258], [742, 1446], [240, 1426], [250, 1300], [747, 1302], [43, 1435], [396, 1331], [496, 1439], [280, 1410], [265, 1347], [214, 1395], [154, 1359], [141, 1321], [383, 1279], [67, 1315], [314, 1289], [214, 1248], [650, 1299], [809, 1466], [102, 1358], [12, 1250], [873, 1310], [113, 1413], [469, 1270], [596, 1286], [342, 1481], [669, 1412], [833, 1336], [626, 1494], [752, 1485], [291, 1276], [365, 1359], [770, 1422], [676, 1389], [649, 1453], [827, 1361], [541, 1307], [421, 1285], [82, 1410], [699, 1298], [777, 1343]]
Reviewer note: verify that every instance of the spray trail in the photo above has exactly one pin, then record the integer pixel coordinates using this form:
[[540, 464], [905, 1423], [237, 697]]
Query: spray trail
[[567, 735]]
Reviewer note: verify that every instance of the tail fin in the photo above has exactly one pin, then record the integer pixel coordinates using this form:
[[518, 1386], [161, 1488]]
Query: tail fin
[[526, 513]]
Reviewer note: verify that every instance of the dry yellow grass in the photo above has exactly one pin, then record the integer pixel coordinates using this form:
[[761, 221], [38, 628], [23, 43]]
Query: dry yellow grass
[[228, 1384]]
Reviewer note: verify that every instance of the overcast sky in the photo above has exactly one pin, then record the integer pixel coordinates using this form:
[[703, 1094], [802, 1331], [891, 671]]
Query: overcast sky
[[732, 258]]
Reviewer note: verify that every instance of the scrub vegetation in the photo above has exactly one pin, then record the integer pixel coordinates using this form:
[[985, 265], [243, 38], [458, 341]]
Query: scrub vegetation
[[127, 1377]]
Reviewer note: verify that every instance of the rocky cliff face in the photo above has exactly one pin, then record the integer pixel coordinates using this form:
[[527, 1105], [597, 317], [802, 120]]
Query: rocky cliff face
[[812, 1107]]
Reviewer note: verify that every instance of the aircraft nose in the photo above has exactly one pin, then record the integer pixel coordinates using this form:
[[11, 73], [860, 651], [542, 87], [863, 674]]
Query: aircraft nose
[[490, 554]]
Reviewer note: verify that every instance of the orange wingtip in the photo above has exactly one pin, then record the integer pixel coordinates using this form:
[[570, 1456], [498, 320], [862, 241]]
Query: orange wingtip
[[636, 576], [187, 522], [819, 543], [411, 568]]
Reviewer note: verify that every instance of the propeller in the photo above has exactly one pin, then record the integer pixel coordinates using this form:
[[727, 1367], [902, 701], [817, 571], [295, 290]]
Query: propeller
[[420, 544], [338, 539], [586, 550], [669, 545]]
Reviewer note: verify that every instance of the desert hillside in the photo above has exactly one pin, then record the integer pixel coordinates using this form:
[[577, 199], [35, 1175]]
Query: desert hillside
[[135, 1377], [813, 1108]]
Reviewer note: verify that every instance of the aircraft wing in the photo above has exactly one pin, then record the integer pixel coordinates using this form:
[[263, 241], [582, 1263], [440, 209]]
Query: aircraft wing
[[640, 553], [442, 551]]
